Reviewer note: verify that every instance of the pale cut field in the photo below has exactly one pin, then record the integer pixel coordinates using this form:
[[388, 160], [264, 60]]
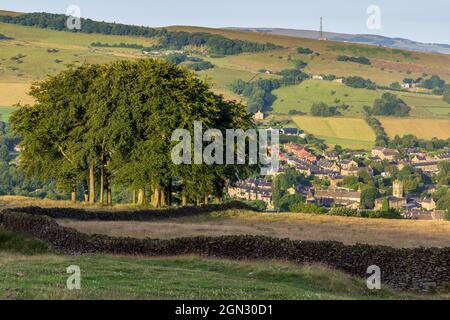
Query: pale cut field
[[297, 226], [351, 133], [421, 128], [12, 93], [349, 230]]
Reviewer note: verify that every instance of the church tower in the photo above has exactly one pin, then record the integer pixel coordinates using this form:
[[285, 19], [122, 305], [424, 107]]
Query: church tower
[[397, 189]]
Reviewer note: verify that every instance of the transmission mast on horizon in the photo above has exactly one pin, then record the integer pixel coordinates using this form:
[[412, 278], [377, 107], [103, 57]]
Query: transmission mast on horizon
[[321, 30]]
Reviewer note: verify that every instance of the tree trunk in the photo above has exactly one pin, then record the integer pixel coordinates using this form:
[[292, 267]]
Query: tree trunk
[[183, 198], [102, 182], [198, 202], [141, 197], [91, 183], [163, 197], [86, 190], [109, 190], [73, 193], [156, 198], [169, 194], [133, 200], [206, 199], [217, 200]]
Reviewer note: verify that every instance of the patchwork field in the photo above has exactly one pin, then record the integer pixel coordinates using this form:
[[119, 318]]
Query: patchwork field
[[421, 128], [353, 133], [425, 104]]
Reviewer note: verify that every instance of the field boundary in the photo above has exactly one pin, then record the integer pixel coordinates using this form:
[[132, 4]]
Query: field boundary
[[400, 268]]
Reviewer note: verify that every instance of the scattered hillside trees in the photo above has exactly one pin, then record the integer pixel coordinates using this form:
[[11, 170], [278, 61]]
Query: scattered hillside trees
[[360, 60], [216, 44], [390, 105], [304, 50], [359, 82], [321, 109]]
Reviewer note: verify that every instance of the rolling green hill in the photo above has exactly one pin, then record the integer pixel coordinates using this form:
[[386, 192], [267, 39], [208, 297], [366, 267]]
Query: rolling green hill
[[32, 53]]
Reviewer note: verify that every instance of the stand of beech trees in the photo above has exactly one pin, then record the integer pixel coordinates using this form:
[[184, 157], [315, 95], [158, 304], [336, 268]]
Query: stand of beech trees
[[97, 125]]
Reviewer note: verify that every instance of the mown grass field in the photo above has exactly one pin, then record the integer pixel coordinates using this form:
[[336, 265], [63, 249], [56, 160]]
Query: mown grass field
[[420, 127], [425, 105], [353, 133]]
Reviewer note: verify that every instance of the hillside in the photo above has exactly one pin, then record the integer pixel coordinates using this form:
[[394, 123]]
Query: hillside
[[372, 39], [30, 54]]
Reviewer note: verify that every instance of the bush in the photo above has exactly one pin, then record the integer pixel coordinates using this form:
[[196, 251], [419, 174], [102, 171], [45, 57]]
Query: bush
[[385, 214], [358, 82], [296, 113], [257, 205], [323, 110], [390, 105], [299, 64], [289, 201], [344, 212], [360, 60], [199, 66], [304, 50], [307, 208]]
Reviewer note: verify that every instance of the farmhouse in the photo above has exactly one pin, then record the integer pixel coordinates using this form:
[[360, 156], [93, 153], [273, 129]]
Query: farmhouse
[[427, 204], [384, 153], [258, 116]]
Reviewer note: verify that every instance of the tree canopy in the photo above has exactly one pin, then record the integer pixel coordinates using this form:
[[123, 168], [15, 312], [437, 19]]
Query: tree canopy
[[101, 123]]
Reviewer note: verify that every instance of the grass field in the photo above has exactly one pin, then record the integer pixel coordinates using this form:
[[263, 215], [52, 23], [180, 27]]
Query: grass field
[[424, 104], [422, 128], [395, 233], [5, 113], [109, 277], [302, 96], [353, 133]]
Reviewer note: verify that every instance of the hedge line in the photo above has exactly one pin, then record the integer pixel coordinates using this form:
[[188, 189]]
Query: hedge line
[[401, 268]]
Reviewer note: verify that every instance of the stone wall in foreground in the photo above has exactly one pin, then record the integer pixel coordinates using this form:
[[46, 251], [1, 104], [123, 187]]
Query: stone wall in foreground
[[400, 268]]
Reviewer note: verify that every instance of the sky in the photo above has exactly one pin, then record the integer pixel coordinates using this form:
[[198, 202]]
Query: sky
[[425, 21]]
